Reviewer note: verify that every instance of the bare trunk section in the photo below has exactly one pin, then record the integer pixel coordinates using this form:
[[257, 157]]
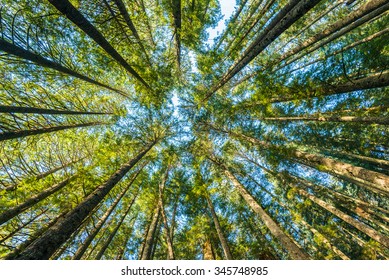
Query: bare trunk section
[[52, 239], [208, 253], [37, 131], [384, 240], [169, 242], [123, 11], [369, 17], [16, 210], [344, 49], [37, 59], [364, 120], [176, 7], [66, 8], [35, 110], [150, 237], [294, 251], [85, 244], [223, 240]]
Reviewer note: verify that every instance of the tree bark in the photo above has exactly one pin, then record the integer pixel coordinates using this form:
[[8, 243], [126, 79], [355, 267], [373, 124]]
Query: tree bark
[[16, 210], [35, 110], [176, 7], [150, 237], [294, 251], [37, 131], [66, 8], [343, 49], [352, 119], [37, 59], [208, 253], [340, 33], [223, 240], [169, 242], [52, 239], [85, 244]]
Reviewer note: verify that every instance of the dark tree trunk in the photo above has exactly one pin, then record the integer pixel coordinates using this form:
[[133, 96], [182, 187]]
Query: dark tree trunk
[[66, 8], [54, 237], [337, 26], [36, 131], [85, 244], [223, 240], [30, 56], [35, 110], [384, 240], [150, 237]]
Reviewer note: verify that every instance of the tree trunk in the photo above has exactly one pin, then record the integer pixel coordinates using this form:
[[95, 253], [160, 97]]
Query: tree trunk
[[342, 198], [344, 49], [52, 239], [223, 240], [384, 240], [122, 249], [340, 33], [335, 27], [294, 251], [35, 110], [113, 233], [22, 226], [150, 237], [30, 56], [16, 210], [85, 244], [32, 238], [176, 7], [364, 120], [378, 181], [37, 131], [288, 15], [169, 242], [208, 253], [123, 11], [66, 8]]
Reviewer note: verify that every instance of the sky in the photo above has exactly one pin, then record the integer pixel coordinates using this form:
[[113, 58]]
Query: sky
[[227, 7]]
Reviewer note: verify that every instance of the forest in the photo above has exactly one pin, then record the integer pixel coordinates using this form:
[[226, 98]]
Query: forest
[[128, 132]]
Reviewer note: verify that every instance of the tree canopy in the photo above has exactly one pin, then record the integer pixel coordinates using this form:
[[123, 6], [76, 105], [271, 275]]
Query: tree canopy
[[127, 132]]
